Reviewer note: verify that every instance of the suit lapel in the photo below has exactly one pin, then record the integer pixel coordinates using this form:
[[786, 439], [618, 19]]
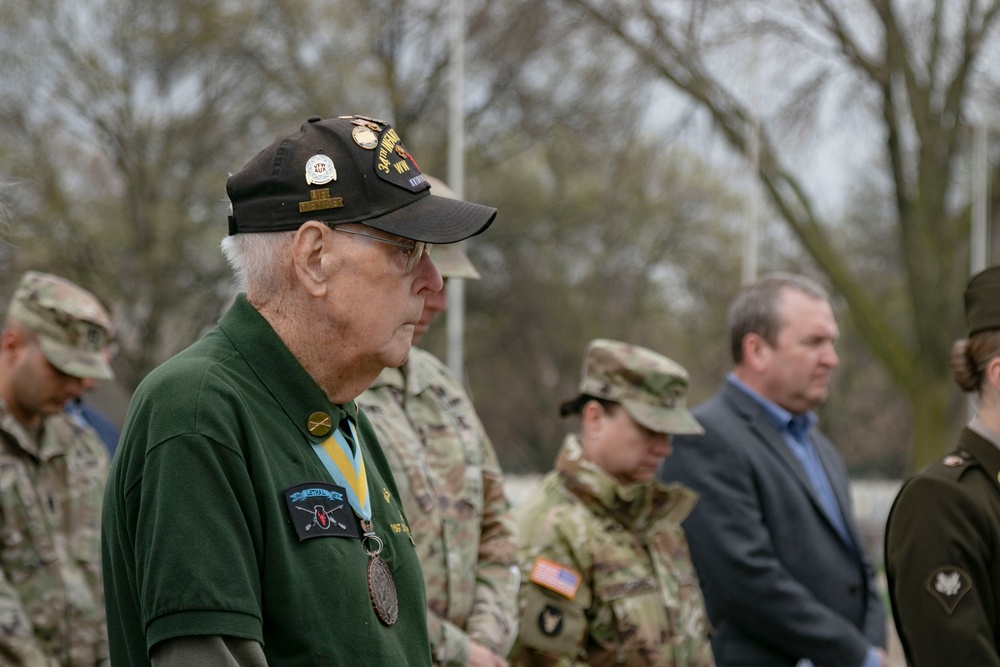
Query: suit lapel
[[773, 441], [841, 488], [769, 436]]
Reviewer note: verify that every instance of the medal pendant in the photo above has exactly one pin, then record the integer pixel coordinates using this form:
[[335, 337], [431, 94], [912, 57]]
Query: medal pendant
[[382, 590]]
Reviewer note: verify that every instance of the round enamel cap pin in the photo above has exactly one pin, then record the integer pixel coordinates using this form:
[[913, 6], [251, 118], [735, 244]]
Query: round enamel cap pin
[[320, 170], [364, 136]]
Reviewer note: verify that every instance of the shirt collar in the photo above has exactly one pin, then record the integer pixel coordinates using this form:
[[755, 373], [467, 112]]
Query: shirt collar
[[279, 371], [979, 427], [390, 377], [412, 378], [797, 425]]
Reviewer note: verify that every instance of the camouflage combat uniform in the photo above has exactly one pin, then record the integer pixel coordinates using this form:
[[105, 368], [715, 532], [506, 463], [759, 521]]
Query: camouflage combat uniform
[[452, 491], [51, 599], [608, 579]]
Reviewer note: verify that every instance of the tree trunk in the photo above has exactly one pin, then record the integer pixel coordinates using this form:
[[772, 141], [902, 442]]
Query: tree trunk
[[933, 432]]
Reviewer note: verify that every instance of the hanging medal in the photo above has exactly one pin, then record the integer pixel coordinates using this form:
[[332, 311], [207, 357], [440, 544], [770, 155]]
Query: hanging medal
[[381, 587], [347, 468]]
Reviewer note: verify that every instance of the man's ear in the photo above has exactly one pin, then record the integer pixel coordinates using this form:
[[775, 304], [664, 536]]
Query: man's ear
[[311, 257], [12, 341], [754, 350]]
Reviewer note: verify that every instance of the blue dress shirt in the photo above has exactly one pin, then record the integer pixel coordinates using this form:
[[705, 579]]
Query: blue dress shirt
[[795, 428]]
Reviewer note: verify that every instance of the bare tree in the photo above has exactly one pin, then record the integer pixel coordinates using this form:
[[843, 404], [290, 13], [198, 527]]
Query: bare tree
[[115, 143], [915, 69], [119, 122]]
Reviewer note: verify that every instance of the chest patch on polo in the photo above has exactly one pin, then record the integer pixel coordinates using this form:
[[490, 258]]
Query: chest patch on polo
[[320, 509], [948, 585]]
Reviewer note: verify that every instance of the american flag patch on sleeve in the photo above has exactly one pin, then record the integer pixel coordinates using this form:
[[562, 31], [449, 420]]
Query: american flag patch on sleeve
[[555, 577]]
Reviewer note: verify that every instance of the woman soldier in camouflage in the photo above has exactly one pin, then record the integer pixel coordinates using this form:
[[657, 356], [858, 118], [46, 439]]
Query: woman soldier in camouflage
[[607, 577]]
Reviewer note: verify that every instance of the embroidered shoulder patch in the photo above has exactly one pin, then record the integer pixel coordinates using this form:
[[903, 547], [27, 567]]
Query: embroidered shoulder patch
[[558, 578], [948, 585]]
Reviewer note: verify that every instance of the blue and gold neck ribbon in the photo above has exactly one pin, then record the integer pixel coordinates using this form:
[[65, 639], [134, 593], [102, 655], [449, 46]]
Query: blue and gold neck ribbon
[[347, 468]]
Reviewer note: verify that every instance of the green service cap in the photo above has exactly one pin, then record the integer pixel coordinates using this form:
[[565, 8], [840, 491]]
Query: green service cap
[[982, 301]]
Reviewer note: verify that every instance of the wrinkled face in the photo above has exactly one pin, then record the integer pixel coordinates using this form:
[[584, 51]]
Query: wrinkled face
[[435, 304], [797, 368], [376, 304], [621, 446], [35, 388]]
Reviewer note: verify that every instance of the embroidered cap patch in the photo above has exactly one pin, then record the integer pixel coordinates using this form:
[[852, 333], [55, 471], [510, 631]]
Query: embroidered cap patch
[[948, 585], [319, 509], [551, 575]]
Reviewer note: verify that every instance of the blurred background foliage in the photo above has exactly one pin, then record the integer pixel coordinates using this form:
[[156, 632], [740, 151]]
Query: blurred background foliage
[[616, 138]]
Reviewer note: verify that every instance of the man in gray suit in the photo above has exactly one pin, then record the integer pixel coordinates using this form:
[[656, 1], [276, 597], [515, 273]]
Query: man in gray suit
[[779, 556]]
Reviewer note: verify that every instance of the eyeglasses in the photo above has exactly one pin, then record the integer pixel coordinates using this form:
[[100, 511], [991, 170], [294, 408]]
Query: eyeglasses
[[413, 250]]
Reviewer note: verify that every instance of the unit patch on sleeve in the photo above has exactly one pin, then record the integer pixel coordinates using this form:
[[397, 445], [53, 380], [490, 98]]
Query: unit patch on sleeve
[[320, 509], [948, 585], [555, 577]]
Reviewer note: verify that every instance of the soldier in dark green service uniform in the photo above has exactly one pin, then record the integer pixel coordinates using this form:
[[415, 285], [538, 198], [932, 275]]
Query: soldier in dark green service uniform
[[251, 517], [943, 533]]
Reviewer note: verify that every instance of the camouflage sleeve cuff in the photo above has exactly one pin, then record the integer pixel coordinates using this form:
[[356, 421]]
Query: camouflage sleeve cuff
[[449, 643]]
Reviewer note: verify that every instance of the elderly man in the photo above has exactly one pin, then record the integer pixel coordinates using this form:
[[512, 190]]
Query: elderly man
[[786, 579], [52, 476], [251, 516], [452, 491]]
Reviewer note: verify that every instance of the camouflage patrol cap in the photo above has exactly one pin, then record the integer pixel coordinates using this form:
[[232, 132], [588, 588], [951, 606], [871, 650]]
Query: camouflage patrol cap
[[450, 258], [72, 326], [452, 262], [648, 385], [982, 301]]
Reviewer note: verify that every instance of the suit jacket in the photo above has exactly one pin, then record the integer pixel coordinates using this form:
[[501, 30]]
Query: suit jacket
[[780, 584]]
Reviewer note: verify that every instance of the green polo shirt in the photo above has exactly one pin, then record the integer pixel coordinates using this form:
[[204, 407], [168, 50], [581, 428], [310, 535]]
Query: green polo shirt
[[198, 531]]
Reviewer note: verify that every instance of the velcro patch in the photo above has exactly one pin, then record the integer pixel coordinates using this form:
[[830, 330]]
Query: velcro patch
[[624, 589], [320, 509], [550, 621], [558, 578], [948, 585]]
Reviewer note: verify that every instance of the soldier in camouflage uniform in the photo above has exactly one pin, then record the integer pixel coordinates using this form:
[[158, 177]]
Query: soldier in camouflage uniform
[[52, 476], [608, 577], [452, 490]]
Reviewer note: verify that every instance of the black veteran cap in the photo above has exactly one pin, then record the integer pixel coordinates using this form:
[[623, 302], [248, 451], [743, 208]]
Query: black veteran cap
[[341, 170], [982, 301]]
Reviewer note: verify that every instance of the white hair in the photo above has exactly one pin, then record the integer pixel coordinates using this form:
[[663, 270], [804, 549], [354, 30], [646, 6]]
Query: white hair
[[261, 262]]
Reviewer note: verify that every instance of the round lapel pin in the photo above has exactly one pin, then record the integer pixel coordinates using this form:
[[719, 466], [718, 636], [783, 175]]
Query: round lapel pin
[[319, 424]]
